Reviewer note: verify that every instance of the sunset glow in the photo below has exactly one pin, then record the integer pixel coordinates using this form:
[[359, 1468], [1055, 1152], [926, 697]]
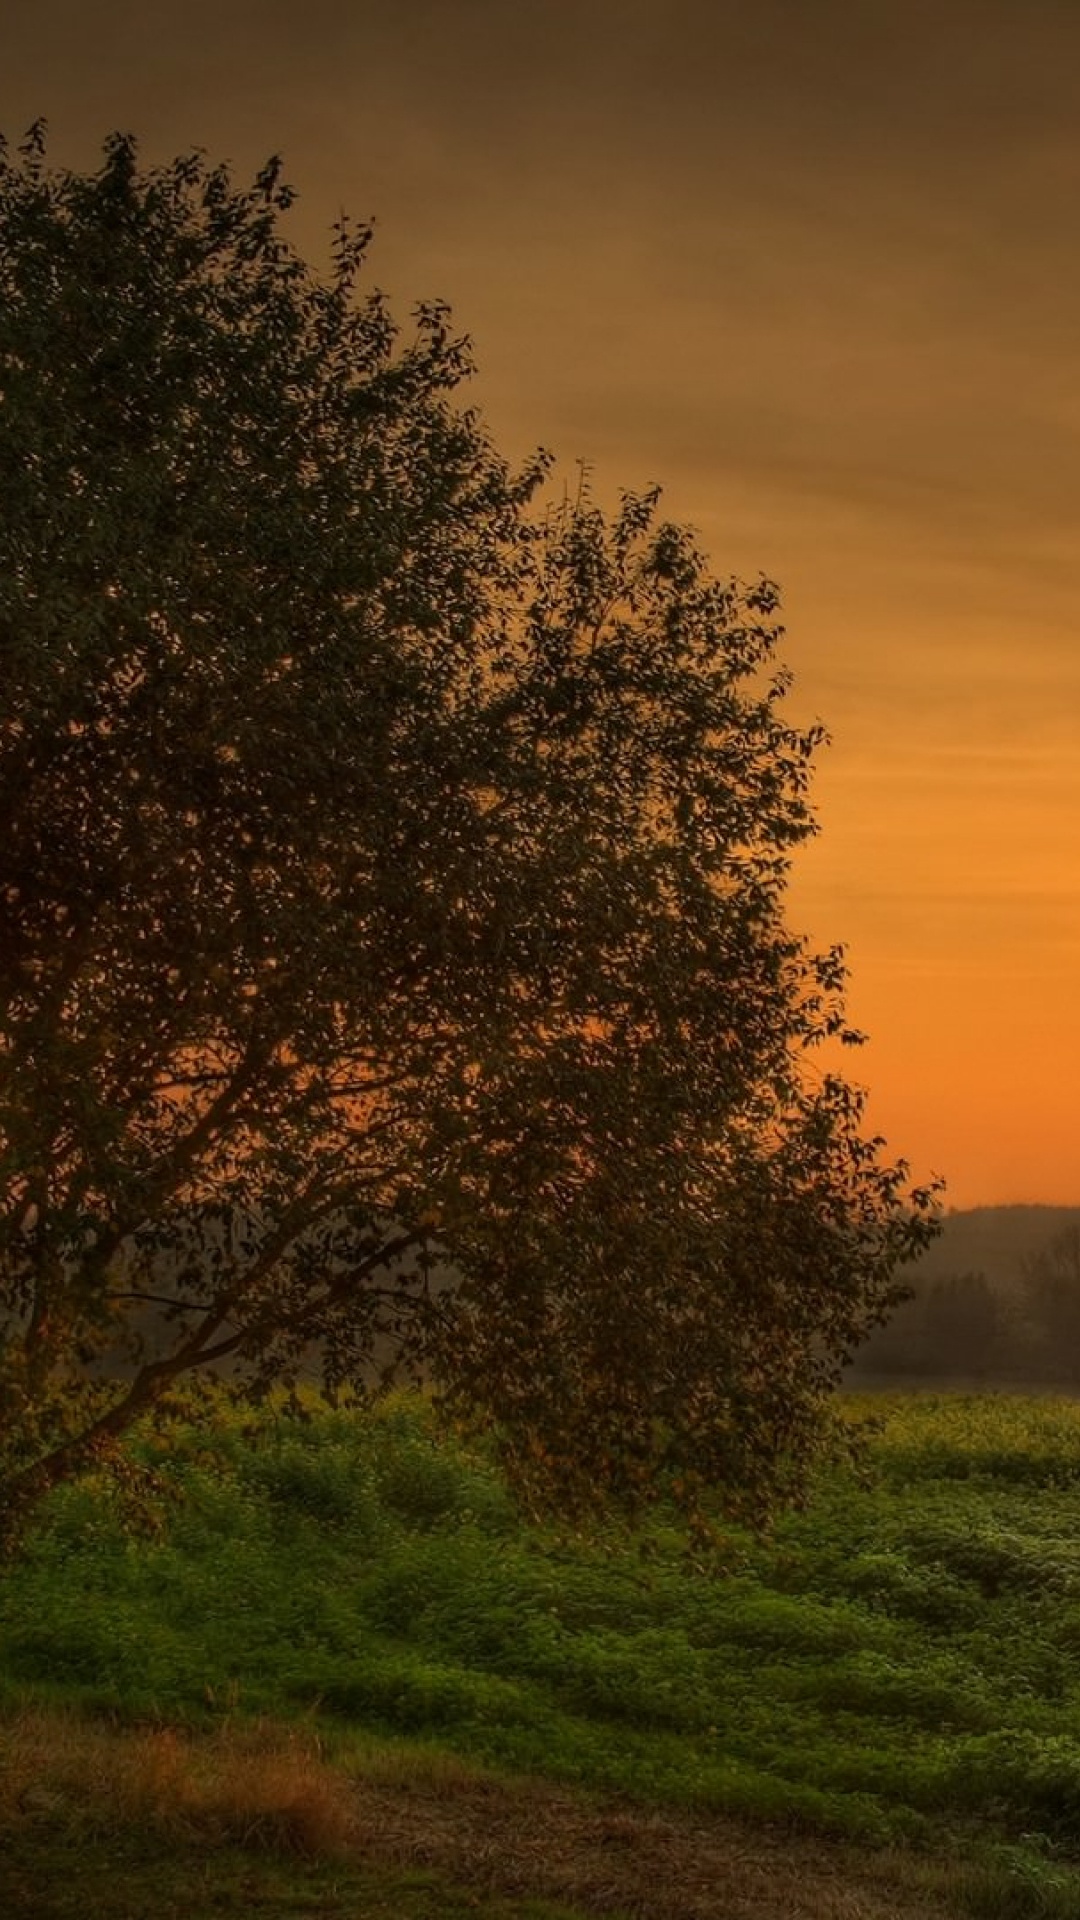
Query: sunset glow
[[815, 271]]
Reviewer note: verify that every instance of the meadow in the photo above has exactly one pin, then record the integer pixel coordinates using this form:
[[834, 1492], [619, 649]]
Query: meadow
[[267, 1617]]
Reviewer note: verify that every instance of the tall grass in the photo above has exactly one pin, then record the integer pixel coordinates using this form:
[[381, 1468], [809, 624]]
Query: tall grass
[[899, 1664], [261, 1785]]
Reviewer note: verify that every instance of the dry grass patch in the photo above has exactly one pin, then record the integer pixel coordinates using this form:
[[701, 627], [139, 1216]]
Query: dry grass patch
[[265, 1787]]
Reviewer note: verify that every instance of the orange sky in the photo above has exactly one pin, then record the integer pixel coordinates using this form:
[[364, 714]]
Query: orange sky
[[812, 264]]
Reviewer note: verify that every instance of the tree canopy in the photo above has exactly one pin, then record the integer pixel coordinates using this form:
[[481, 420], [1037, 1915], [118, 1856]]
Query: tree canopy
[[392, 863]]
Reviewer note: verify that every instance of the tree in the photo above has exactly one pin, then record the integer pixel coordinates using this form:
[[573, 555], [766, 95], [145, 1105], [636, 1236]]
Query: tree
[[1050, 1304], [962, 1324], [950, 1324], [387, 863]]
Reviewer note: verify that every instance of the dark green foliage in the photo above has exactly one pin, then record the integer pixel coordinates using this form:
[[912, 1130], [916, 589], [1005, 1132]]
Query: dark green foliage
[[900, 1662], [388, 871]]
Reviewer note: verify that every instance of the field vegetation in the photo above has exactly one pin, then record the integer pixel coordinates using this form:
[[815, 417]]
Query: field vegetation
[[266, 1619]]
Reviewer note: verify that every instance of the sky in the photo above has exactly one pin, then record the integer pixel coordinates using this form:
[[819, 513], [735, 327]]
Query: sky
[[812, 265]]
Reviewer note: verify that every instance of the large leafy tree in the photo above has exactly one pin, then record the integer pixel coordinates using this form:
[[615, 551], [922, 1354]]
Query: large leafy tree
[[386, 866]]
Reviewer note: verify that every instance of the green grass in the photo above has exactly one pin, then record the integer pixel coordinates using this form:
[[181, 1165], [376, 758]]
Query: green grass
[[899, 1664]]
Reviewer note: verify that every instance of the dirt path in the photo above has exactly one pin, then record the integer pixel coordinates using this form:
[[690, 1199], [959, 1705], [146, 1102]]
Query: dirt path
[[534, 1840], [273, 1790]]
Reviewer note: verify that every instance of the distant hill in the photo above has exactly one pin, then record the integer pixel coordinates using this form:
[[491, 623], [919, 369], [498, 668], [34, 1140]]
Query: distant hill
[[977, 1316], [993, 1240]]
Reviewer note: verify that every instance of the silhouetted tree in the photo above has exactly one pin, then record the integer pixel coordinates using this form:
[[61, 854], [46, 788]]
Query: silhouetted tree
[[961, 1325], [1050, 1305], [381, 860]]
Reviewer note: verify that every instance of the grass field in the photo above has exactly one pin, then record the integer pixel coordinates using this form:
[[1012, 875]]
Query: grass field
[[896, 1670]]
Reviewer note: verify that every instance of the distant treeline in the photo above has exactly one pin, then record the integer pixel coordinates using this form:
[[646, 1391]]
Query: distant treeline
[[995, 1302]]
